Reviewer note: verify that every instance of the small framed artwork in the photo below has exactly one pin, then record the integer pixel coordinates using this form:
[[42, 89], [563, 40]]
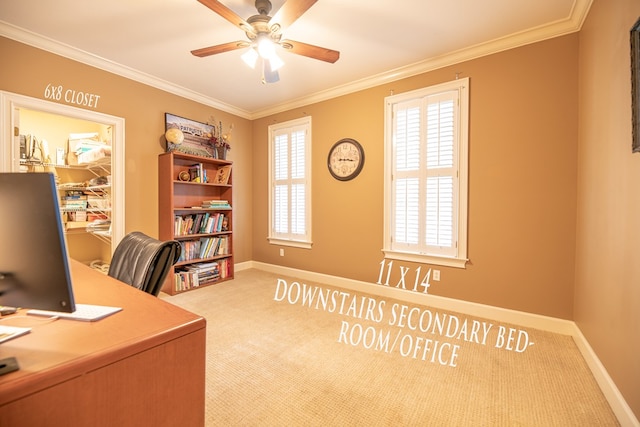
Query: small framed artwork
[[195, 137], [222, 175], [635, 87]]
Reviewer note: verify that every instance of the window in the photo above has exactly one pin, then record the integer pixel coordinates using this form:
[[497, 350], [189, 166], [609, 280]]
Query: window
[[426, 158], [290, 183]]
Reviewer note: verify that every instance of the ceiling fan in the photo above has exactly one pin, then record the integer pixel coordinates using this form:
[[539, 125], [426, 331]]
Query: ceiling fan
[[265, 33]]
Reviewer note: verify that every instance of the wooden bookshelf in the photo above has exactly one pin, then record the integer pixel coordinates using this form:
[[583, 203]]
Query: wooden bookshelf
[[192, 210]]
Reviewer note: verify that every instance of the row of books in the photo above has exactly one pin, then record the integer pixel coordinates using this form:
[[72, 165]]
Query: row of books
[[205, 247], [215, 204], [200, 223], [84, 203], [199, 274], [73, 204], [197, 173]]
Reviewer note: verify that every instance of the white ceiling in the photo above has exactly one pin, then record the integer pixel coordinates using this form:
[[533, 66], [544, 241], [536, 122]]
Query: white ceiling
[[379, 41]]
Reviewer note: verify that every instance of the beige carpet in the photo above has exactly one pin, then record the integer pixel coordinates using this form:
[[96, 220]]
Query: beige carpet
[[274, 363]]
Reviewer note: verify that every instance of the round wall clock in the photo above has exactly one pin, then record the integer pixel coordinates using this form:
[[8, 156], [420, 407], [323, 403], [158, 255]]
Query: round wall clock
[[346, 159]]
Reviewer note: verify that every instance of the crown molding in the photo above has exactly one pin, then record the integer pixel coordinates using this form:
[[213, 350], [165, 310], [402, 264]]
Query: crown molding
[[35, 40], [571, 24]]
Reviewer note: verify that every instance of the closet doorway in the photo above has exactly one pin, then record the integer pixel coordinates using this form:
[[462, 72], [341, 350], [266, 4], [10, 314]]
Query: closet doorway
[[38, 135]]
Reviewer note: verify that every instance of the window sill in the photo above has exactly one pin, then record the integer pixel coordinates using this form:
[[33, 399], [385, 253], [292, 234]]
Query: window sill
[[426, 259], [291, 243]]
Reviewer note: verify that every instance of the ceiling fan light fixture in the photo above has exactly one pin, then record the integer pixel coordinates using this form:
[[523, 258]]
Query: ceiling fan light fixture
[[265, 33], [250, 57], [269, 75], [266, 49], [275, 62]]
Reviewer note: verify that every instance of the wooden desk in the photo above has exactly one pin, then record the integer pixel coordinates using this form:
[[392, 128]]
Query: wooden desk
[[143, 366]]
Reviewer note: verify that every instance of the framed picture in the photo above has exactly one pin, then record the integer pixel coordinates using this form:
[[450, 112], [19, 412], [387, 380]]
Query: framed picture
[[197, 136], [635, 87], [222, 176]]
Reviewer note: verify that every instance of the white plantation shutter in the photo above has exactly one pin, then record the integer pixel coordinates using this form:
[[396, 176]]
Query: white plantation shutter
[[281, 186], [290, 182], [407, 175], [441, 218], [298, 183], [426, 183]]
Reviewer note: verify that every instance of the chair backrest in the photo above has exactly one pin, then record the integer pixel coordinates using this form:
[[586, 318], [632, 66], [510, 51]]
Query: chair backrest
[[143, 262]]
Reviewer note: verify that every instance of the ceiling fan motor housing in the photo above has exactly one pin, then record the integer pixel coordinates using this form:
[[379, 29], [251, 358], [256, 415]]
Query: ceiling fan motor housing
[[260, 23], [260, 27], [263, 6]]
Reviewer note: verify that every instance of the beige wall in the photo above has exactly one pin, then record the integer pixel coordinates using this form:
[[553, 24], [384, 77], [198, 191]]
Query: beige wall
[[522, 195], [607, 294], [522, 175], [525, 159], [143, 109]]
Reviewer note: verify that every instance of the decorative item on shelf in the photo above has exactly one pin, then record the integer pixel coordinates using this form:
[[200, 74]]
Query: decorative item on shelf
[[174, 137], [184, 176], [221, 150], [222, 176], [220, 140], [195, 136]]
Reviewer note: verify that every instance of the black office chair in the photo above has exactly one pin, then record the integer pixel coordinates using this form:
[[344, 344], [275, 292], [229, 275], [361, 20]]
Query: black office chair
[[143, 262]]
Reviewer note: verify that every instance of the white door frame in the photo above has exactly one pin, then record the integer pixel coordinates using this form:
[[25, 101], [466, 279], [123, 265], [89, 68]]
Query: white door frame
[[10, 156]]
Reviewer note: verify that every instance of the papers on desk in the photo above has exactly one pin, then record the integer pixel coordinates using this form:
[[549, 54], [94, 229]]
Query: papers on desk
[[9, 332]]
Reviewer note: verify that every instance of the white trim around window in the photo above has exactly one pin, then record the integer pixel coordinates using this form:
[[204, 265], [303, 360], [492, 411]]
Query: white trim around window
[[290, 183], [426, 175]]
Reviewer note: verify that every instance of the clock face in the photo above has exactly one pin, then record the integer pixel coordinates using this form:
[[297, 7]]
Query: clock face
[[346, 159]]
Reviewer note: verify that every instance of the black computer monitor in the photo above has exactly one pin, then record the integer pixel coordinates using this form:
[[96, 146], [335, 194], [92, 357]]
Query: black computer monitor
[[34, 265]]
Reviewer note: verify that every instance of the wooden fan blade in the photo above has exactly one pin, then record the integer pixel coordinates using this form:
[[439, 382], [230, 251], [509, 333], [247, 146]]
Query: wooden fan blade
[[227, 14], [221, 48], [289, 12], [311, 51]]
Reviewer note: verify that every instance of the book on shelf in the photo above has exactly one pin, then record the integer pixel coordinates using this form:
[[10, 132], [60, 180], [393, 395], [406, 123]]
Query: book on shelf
[[200, 223], [202, 273], [209, 247], [75, 203], [224, 267], [197, 223], [222, 175], [218, 223], [213, 246], [194, 275], [197, 173], [216, 204], [204, 248], [190, 250], [74, 195]]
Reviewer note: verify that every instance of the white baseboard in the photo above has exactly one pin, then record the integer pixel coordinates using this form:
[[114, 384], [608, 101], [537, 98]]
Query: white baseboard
[[520, 318], [618, 404], [623, 412]]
